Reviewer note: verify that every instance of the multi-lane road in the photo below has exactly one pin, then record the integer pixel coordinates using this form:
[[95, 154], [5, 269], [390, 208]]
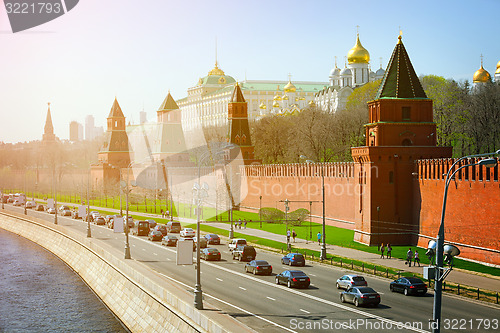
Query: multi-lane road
[[261, 304]]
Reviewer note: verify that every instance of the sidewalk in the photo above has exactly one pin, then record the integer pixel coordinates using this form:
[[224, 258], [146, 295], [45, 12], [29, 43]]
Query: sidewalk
[[461, 277]]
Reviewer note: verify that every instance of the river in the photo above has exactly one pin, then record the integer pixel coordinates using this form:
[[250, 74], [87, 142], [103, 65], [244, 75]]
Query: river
[[40, 293]]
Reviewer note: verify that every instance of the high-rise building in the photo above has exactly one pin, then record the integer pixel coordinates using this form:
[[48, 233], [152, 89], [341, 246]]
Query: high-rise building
[[143, 117], [75, 131], [89, 127]]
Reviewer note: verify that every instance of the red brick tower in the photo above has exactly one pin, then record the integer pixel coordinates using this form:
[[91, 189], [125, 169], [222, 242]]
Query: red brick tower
[[401, 130]]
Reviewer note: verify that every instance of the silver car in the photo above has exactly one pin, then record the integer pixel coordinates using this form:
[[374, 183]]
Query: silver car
[[351, 280]]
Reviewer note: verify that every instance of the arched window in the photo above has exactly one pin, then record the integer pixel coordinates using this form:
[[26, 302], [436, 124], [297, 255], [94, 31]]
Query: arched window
[[406, 142]]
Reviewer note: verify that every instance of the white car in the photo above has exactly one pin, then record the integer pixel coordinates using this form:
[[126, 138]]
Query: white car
[[236, 242], [187, 233]]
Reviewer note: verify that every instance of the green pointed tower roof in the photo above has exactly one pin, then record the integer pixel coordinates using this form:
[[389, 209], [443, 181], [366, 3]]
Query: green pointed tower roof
[[116, 111], [168, 104], [237, 95], [400, 79]]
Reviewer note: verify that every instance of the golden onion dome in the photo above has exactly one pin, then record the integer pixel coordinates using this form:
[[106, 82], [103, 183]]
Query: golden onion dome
[[276, 104], [311, 103], [277, 97], [290, 87], [285, 98], [358, 54], [481, 75], [498, 68], [262, 106], [302, 98], [216, 71]]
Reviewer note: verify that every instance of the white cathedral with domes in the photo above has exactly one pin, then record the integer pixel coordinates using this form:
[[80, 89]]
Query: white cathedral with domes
[[343, 82]]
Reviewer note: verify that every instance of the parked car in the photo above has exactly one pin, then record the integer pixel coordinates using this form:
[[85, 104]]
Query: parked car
[[100, 221], [155, 235], [212, 239], [409, 285], [203, 243], [162, 228], [236, 242], [360, 296], [142, 228], [152, 223], [51, 210], [259, 267], [187, 233], [169, 240], [174, 226], [351, 280], [293, 278], [40, 208], [210, 253], [244, 253], [294, 259]]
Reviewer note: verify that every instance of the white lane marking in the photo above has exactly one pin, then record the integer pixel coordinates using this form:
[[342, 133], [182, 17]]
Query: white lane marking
[[312, 274], [218, 279], [232, 305], [242, 288], [155, 254], [304, 311], [272, 299], [143, 249], [133, 245]]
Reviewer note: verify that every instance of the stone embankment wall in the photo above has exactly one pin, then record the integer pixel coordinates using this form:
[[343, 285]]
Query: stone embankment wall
[[143, 300]]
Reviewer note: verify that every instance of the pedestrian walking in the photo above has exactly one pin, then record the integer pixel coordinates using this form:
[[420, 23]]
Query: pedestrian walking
[[417, 259], [319, 238], [288, 236], [389, 251], [409, 256], [382, 249], [294, 234], [245, 223], [162, 213], [167, 213], [239, 223]]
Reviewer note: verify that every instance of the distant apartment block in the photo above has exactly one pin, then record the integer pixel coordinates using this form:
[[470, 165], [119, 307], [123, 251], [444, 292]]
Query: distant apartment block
[[91, 131], [75, 131]]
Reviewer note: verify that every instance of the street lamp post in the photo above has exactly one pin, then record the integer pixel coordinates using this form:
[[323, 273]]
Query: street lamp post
[[439, 276], [89, 232], [260, 211], [127, 244]]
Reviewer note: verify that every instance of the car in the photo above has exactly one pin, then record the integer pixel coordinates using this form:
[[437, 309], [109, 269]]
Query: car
[[203, 243], [111, 223], [30, 204], [130, 222], [40, 208], [173, 226], [409, 285], [235, 243], [75, 215], [66, 212], [11, 200], [142, 228], [360, 296], [162, 228], [259, 267], [187, 233], [64, 207], [51, 210], [169, 240], [18, 203], [210, 253], [152, 223], [351, 280], [294, 259], [108, 217], [100, 220], [93, 215], [244, 253], [155, 235], [293, 278], [212, 239]]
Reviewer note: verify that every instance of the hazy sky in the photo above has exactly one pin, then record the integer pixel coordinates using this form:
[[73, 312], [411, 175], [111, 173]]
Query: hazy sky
[[139, 50]]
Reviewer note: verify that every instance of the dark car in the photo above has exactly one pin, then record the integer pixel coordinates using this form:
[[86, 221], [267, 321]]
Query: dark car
[[293, 279], [294, 259], [210, 253], [100, 220], [244, 253], [152, 223], [142, 228], [66, 212], [351, 280], [212, 239], [130, 222], [203, 243], [409, 285], [40, 208], [169, 240], [155, 235], [174, 226], [162, 228], [259, 267], [360, 296], [108, 218]]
